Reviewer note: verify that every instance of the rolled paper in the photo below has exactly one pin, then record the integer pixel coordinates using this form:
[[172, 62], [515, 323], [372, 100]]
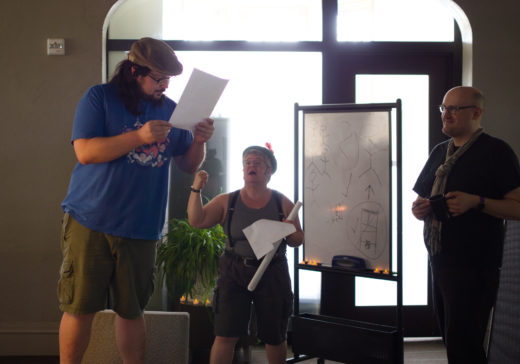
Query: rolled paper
[[269, 256]]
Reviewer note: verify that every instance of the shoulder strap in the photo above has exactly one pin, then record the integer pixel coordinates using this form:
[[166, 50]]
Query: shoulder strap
[[281, 216], [278, 199], [231, 208]]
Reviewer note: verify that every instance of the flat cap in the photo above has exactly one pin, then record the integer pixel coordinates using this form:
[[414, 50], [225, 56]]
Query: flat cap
[[155, 54]]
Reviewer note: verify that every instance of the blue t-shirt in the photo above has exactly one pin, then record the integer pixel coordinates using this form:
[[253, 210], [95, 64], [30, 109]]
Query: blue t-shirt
[[127, 196]]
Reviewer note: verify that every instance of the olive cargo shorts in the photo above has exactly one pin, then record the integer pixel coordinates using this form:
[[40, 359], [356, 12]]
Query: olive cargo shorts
[[96, 264]]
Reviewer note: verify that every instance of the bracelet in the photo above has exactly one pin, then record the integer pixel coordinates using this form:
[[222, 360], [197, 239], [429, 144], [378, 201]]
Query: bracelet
[[194, 190]]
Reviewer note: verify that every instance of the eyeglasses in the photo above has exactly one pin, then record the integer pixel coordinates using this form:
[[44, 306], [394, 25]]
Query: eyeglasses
[[443, 108], [160, 80]]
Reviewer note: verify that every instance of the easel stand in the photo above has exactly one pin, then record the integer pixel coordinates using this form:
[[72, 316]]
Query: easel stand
[[332, 337], [342, 331]]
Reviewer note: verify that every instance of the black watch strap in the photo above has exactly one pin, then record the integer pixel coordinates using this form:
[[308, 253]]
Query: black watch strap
[[481, 204]]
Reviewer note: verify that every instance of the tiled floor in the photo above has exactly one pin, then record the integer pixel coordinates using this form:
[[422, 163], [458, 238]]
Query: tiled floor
[[425, 352], [415, 352]]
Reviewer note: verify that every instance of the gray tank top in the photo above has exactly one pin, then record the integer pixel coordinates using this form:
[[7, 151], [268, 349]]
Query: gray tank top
[[244, 216]]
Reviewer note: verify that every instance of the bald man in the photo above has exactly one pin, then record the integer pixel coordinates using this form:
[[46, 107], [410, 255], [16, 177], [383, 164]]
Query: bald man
[[479, 177]]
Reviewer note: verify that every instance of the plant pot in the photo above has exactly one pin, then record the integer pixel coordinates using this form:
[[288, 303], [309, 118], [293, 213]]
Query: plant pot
[[201, 330]]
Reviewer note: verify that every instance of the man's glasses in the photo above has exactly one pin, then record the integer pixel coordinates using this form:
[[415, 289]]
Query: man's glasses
[[444, 108], [160, 80]]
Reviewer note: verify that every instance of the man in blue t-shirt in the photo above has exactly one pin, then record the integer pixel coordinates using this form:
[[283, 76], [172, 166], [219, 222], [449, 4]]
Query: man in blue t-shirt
[[477, 177], [116, 203]]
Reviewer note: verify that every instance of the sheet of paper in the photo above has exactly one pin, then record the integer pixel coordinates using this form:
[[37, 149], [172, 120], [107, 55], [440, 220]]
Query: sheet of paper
[[197, 100], [263, 233]]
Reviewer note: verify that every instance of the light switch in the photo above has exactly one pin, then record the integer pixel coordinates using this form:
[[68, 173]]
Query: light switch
[[55, 46]]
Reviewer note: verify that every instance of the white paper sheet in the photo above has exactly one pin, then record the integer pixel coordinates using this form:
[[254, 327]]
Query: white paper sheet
[[197, 100], [263, 233]]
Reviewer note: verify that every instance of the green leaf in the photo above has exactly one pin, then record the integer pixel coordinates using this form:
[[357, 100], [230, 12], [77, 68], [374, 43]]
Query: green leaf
[[187, 255]]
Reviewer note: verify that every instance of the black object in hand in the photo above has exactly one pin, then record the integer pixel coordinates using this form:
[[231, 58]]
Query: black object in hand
[[440, 207]]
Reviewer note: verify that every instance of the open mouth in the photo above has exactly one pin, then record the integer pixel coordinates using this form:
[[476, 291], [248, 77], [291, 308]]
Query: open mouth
[[252, 173]]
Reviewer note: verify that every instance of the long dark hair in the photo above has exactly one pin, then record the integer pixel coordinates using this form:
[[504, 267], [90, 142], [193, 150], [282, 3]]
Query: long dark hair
[[127, 86]]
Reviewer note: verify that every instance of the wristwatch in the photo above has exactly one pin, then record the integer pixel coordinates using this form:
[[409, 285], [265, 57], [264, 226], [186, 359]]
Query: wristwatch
[[481, 204], [194, 190]]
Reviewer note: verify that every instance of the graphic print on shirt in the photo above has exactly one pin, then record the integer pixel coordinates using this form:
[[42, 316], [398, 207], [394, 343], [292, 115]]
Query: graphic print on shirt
[[150, 155]]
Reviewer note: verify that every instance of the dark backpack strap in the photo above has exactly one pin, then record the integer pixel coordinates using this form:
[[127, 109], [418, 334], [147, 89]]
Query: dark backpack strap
[[231, 208], [278, 199]]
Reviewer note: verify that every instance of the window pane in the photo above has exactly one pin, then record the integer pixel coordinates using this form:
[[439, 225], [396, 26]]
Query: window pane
[[396, 20], [258, 102], [114, 57], [134, 19], [413, 92], [253, 20]]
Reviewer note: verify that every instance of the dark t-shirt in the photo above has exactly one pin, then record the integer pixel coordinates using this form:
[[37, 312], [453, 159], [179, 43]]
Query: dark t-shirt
[[489, 168]]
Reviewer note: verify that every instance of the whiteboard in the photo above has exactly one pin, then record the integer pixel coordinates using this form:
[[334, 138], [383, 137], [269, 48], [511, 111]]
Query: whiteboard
[[347, 186]]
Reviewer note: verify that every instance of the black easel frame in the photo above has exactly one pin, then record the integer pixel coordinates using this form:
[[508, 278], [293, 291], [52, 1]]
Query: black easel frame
[[337, 326]]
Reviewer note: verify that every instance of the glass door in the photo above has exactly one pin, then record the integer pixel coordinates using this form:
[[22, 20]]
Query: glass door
[[357, 72], [413, 92]]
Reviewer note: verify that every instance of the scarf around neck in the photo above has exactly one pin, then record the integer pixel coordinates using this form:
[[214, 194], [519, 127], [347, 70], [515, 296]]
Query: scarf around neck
[[433, 227]]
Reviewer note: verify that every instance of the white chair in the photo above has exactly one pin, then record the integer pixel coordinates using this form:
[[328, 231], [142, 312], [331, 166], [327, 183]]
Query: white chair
[[167, 338]]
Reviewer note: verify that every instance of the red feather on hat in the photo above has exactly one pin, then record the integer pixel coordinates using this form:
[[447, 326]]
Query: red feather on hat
[[268, 146]]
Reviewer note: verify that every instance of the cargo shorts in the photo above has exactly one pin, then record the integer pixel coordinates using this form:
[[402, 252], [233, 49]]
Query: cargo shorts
[[98, 266], [272, 299]]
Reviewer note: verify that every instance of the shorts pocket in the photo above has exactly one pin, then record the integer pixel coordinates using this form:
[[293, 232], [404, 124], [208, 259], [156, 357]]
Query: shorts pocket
[[66, 283]]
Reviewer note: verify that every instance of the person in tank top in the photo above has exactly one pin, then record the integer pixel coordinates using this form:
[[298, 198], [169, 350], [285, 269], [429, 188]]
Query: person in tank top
[[272, 298]]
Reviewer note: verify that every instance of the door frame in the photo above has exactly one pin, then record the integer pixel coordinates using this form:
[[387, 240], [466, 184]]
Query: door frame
[[442, 62]]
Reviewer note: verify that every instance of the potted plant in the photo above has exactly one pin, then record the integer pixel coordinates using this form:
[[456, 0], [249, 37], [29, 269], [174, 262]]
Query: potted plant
[[187, 261]]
